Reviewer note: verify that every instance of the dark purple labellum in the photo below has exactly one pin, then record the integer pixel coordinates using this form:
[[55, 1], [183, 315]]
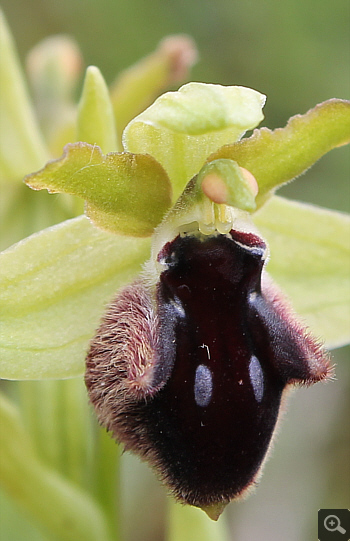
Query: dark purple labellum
[[191, 376]]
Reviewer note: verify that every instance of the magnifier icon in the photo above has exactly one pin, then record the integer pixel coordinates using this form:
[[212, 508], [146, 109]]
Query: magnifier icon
[[332, 524]]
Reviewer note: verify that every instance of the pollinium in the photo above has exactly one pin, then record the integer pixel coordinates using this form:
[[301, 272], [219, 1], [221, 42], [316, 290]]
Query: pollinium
[[188, 369]]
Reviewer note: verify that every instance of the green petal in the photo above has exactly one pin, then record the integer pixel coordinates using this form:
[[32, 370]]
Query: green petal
[[48, 498], [276, 157], [21, 145], [54, 287], [95, 113], [125, 193], [182, 128], [310, 260]]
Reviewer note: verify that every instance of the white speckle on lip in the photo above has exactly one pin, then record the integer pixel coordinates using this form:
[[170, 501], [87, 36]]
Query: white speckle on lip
[[207, 348]]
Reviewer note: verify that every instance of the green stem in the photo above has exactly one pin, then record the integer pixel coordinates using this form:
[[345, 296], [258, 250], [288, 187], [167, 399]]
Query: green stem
[[107, 480], [62, 510], [39, 406], [76, 430]]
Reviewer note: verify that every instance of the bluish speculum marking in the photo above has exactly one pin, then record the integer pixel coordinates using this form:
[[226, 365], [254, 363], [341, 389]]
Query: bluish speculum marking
[[203, 385], [256, 378]]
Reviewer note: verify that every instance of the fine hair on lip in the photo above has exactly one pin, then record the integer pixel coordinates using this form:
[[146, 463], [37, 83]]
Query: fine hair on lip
[[188, 369]]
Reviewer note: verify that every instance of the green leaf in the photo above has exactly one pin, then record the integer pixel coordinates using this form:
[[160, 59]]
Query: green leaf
[[125, 193], [21, 145], [107, 476], [182, 128], [95, 113], [310, 261], [54, 287], [276, 157], [188, 523]]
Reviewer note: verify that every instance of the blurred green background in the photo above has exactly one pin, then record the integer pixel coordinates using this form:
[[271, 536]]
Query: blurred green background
[[298, 54]]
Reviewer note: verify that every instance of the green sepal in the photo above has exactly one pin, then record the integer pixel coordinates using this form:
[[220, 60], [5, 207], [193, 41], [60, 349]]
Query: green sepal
[[310, 261], [54, 288], [276, 157], [124, 193]]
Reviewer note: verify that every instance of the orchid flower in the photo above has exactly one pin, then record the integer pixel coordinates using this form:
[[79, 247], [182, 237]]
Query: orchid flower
[[173, 285]]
